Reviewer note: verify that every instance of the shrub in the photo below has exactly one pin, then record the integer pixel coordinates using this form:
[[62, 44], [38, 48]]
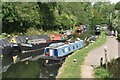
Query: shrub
[[101, 73], [3, 35], [118, 37], [33, 31]]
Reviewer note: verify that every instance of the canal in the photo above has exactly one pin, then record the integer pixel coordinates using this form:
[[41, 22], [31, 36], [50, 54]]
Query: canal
[[31, 69]]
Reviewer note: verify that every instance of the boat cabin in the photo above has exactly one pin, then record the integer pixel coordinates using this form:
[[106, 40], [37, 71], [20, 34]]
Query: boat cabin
[[62, 49]]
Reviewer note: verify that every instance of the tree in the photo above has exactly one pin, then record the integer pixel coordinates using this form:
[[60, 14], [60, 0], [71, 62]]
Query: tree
[[117, 6], [17, 17]]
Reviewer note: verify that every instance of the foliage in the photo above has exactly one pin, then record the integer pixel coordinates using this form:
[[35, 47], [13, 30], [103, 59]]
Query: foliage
[[114, 68], [101, 73], [18, 17], [3, 35], [102, 12], [118, 37], [111, 72], [33, 31], [116, 19], [117, 6]]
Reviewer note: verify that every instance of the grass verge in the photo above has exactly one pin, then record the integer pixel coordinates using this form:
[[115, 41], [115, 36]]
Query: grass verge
[[70, 69], [101, 72], [113, 70]]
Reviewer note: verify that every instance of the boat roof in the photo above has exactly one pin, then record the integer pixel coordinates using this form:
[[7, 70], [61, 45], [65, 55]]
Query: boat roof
[[55, 45], [60, 45]]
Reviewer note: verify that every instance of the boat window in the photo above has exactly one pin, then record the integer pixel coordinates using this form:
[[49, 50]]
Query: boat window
[[63, 51], [69, 49], [47, 50], [66, 49], [76, 45], [73, 47], [51, 52], [79, 44]]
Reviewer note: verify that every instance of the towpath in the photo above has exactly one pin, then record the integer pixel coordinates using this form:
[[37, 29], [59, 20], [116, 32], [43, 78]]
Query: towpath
[[94, 56]]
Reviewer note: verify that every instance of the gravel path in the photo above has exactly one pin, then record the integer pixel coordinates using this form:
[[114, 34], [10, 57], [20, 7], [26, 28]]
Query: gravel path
[[93, 57]]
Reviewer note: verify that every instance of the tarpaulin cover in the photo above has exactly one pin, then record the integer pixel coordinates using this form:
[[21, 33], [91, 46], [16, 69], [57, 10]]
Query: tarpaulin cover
[[4, 42], [57, 37], [22, 39]]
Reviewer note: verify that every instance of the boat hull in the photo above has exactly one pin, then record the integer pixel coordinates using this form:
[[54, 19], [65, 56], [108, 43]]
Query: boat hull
[[6, 50]]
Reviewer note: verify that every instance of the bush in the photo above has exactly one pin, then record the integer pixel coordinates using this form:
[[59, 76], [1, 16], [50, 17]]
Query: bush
[[84, 34], [34, 31], [118, 37], [101, 73], [3, 35]]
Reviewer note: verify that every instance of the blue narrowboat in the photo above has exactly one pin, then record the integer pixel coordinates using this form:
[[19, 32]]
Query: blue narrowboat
[[59, 50]]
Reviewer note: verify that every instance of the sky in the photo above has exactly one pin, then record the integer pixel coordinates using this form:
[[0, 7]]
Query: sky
[[114, 1]]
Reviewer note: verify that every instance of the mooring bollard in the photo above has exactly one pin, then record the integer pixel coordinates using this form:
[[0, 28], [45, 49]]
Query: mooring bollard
[[74, 60], [15, 59], [101, 61], [106, 61], [105, 49]]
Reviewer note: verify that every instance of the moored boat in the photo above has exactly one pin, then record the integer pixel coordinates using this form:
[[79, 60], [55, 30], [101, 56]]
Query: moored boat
[[32, 43], [57, 51]]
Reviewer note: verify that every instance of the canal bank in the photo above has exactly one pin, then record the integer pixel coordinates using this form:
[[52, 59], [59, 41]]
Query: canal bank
[[113, 70], [69, 67]]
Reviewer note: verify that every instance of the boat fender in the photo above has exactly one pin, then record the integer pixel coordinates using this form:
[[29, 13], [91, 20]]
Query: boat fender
[[46, 61], [30, 45], [15, 59], [1, 56], [74, 60], [26, 62]]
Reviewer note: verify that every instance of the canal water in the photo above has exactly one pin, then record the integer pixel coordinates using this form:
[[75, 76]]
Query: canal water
[[32, 69]]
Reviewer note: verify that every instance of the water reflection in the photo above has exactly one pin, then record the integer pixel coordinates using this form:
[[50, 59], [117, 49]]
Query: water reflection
[[34, 69], [31, 69]]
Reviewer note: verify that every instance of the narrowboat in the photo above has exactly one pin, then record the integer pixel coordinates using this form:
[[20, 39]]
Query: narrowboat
[[31, 43], [36, 42], [56, 51]]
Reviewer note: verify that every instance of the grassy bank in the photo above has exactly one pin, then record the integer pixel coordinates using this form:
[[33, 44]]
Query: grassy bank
[[101, 72], [70, 69], [113, 70]]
